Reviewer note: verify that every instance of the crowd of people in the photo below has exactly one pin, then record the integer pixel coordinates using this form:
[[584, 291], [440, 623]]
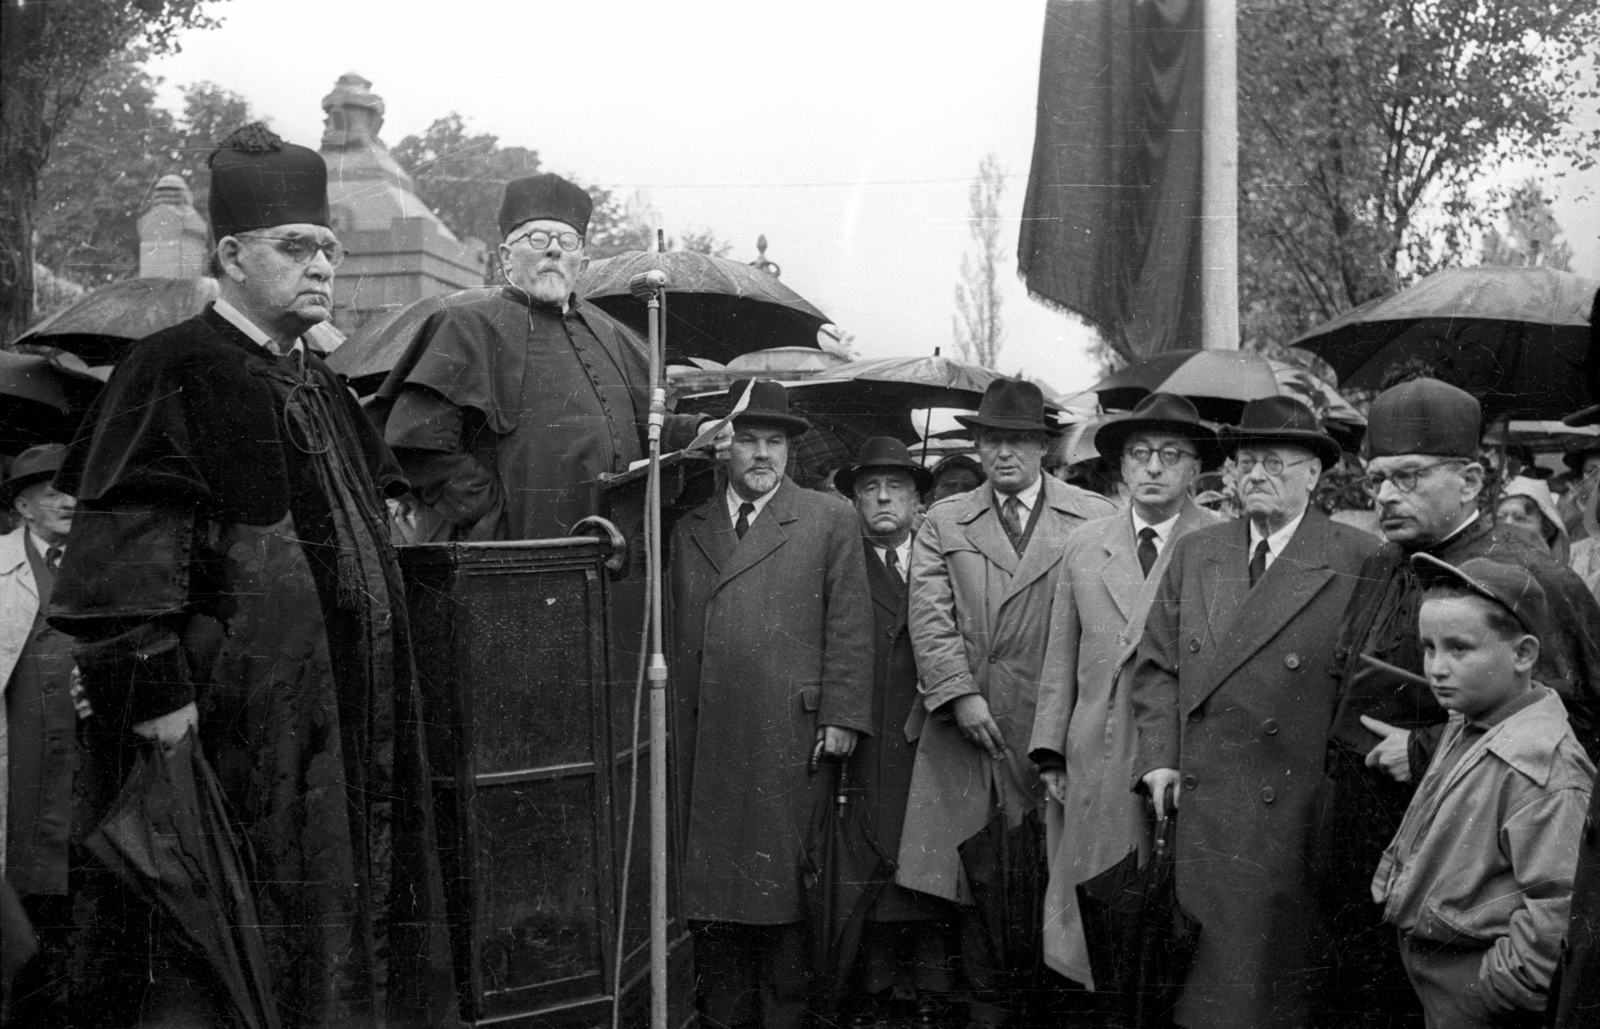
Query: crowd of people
[[1371, 746]]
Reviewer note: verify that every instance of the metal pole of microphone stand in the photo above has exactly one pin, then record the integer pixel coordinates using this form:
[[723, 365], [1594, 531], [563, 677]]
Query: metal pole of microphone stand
[[656, 674]]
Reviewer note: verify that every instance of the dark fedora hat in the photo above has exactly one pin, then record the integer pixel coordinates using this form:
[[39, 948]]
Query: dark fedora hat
[[36, 464], [1166, 413], [1280, 421], [1578, 451], [1015, 405], [769, 405], [882, 452]]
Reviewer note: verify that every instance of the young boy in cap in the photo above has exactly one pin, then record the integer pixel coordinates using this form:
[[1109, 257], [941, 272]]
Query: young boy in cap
[[1478, 880]]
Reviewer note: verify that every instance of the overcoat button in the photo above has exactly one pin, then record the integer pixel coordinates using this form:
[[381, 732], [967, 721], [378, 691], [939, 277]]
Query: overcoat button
[[1190, 782], [1269, 795], [1196, 716], [1292, 661], [1194, 646], [993, 658], [889, 633], [1270, 727]]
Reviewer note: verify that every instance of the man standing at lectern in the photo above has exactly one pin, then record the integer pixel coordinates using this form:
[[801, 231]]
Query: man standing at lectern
[[508, 409], [772, 670]]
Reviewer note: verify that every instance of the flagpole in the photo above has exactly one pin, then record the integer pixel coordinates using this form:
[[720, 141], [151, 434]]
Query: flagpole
[[1219, 200]]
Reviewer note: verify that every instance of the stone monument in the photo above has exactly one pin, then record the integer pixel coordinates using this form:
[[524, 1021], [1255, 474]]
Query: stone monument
[[173, 238]]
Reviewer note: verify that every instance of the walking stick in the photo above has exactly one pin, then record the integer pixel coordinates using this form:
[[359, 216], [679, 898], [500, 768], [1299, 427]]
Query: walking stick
[[652, 286]]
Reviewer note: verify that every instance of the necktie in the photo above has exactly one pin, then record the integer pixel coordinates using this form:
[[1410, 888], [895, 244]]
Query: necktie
[[1147, 549], [742, 526], [1011, 516], [891, 560], [52, 557], [1258, 563]]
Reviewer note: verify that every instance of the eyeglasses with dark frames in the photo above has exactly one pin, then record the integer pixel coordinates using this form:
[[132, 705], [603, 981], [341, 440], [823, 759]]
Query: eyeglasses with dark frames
[[1273, 464], [1404, 479], [301, 249], [1170, 456], [539, 239]]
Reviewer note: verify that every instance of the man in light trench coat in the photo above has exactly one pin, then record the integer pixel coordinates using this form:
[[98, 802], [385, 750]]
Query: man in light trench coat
[[984, 569], [772, 663], [1084, 740]]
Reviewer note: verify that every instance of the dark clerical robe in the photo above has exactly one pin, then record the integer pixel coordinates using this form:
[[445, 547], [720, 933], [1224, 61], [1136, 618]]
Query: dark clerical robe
[[1361, 807], [230, 548], [505, 413]]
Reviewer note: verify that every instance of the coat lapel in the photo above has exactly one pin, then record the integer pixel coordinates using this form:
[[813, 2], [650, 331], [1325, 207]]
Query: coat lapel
[[1044, 547], [1144, 593], [713, 533], [765, 535], [981, 523], [886, 592], [1294, 578], [1120, 570]]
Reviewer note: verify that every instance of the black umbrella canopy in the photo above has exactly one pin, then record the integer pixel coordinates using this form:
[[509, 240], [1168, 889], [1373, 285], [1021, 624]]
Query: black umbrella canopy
[[1516, 338], [716, 308], [106, 321], [372, 350], [42, 399]]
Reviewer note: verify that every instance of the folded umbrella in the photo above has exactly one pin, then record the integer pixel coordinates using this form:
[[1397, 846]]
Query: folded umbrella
[[1007, 870], [843, 870], [1140, 940], [168, 839]]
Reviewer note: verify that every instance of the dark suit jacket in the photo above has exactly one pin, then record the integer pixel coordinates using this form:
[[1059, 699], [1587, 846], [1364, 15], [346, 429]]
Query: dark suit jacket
[[772, 639], [1232, 686]]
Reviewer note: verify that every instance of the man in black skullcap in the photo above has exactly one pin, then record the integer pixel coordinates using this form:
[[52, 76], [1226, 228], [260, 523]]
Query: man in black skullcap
[[1424, 478], [508, 409], [229, 574]]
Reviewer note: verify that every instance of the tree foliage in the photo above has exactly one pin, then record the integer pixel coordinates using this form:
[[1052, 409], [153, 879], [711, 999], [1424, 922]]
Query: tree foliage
[[50, 54], [1362, 125], [106, 161], [1532, 236], [978, 326]]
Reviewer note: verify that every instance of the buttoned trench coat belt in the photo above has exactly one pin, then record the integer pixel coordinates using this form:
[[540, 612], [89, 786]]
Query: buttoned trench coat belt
[[19, 606], [772, 639], [1233, 686], [1086, 715], [980, 619]]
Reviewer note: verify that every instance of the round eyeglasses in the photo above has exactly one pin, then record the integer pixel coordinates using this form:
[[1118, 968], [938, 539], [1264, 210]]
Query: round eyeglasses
[[301, 249], [1273, 464], [1404, 479], [539, 239], [1170, 456]]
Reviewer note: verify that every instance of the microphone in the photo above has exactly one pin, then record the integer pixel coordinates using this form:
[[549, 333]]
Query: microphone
[[645, 283]]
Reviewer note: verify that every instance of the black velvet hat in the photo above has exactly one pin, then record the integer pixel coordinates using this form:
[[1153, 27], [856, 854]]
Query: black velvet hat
[[1166, 413], [1424, 416], [545, 196], [258, 181], [1281, 421], [882, 452]]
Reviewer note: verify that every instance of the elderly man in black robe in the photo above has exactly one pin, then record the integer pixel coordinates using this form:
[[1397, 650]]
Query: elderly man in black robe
[[1424, 478], [508, 409], [229, 574]]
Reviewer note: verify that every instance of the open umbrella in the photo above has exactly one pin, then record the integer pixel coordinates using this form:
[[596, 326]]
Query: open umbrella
[[1220, 382], [169, 840], [371, 352], [1516, 338], [1140, 940], [42, 399], [843, 870], [100, 325], [715, 308]]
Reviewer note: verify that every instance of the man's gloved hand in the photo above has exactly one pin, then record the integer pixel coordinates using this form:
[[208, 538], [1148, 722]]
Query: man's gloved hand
[[834, 741]]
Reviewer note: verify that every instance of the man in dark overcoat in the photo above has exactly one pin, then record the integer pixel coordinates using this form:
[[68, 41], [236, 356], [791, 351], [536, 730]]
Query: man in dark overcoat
[[903, 942], [229, 574], [772, 670], [1232, 693], [507, 410], [1425, 480]]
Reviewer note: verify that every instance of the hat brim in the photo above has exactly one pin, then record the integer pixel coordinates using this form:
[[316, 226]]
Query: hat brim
[[1587, 416], [978, 421], [1325, 447], [791, 424], [1110, 438], [844, 480], [1574, 459], [11, 487]]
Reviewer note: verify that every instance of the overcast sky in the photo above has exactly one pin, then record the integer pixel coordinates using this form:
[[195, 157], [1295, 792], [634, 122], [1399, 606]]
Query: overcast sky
[[847, 132]]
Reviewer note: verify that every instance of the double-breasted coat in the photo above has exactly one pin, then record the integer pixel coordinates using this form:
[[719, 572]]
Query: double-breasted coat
[[1086, 716], [883, 763], [1232, 686], [980, 619], [772, 638]]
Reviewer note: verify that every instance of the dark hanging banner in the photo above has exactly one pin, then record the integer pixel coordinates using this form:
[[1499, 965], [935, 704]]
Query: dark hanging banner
[[1111, 224]]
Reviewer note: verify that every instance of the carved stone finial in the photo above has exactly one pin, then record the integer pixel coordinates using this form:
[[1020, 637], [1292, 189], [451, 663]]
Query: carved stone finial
[[354, 114], [173, 190], [761, 262]]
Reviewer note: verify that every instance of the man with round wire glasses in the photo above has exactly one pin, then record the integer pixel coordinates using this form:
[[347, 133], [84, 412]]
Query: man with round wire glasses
[[1424, 479], [508, 408]]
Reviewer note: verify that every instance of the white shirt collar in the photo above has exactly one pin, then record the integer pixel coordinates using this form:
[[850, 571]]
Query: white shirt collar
[[1278, 540], [42, 548], [1027, 498], [1163, 529], [235, 317], [902, 554], [734, 500]]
